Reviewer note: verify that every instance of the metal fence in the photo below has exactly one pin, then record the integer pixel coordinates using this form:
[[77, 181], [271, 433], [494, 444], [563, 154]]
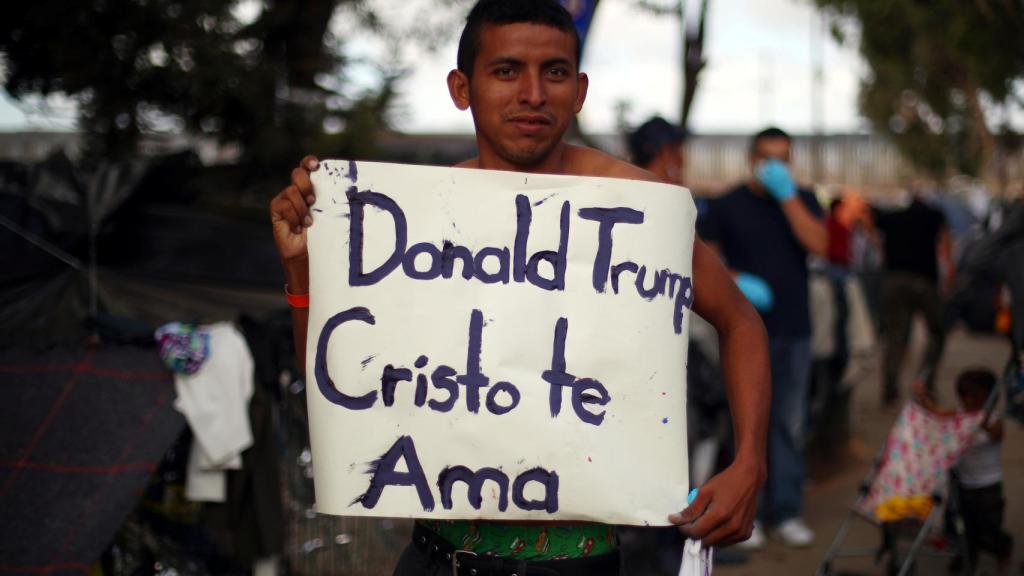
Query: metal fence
[[714, 161], [869, 162]]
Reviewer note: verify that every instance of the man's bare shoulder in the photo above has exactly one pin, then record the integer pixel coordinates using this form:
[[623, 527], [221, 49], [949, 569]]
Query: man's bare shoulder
[[583, 161]]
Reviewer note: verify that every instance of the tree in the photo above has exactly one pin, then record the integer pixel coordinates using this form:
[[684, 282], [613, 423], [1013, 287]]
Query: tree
[[942, 74], [143, 66], [692, 59]]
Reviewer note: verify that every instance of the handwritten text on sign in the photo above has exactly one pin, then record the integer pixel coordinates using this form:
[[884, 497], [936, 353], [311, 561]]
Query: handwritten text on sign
[[489, 344]]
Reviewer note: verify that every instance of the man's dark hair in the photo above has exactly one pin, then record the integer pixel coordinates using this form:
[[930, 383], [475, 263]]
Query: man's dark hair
[[975, 381], [647, 141], [766, 134], [498, 12]]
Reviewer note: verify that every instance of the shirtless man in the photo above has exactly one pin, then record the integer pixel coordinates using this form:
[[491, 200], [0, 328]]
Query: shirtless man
[[517, 74]]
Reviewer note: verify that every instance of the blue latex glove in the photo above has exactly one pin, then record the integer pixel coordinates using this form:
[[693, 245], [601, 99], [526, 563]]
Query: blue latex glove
[[775, 177], [756, 290]]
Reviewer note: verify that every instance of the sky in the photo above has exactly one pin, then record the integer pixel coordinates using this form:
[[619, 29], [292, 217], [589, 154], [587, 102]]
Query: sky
[[759, 72], [760, 53]]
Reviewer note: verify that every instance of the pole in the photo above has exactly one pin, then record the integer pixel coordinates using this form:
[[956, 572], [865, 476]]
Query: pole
[[817, 97]]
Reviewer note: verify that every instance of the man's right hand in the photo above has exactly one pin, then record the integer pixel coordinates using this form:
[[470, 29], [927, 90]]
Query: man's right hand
[[775, 177], [289, 213]]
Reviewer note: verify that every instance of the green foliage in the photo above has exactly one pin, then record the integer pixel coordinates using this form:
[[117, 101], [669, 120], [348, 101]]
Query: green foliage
[[145, 66], [938, 70]]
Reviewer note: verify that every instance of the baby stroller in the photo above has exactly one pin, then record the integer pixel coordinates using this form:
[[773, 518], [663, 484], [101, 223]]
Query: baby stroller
[[905, 493]]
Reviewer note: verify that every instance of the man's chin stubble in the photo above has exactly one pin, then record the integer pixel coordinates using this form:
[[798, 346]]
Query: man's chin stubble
[[529, 157]]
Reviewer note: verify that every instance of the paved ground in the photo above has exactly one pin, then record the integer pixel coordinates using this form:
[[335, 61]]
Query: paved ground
[[828, 498]]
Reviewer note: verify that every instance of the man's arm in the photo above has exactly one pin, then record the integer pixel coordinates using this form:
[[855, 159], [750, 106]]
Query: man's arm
[[808, 229], [289, 215], [752, 286], [947, 266], [994, 429], [924, 400], [723, 512]]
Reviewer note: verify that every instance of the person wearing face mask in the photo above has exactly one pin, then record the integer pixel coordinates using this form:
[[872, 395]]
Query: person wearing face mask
[[764, 229]]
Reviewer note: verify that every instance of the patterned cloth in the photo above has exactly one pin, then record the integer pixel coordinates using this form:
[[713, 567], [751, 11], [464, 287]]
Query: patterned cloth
[[921, 448], [81, 433], [527, 541], [183, 347]]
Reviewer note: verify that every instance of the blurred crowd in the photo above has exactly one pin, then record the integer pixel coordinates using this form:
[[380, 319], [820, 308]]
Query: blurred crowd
[[839, 277]]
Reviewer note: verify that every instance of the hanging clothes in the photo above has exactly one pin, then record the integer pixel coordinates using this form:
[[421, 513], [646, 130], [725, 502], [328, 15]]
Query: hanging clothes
[[215, 402]]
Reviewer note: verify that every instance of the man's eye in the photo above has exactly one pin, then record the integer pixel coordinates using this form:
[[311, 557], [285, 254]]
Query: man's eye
[[504, 72], [558, 72]]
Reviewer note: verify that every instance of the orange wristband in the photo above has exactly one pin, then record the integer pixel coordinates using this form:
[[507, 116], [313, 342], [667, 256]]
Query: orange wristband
[[296, 300]]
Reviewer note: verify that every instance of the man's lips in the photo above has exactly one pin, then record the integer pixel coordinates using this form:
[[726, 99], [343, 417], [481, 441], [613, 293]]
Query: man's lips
[[530, 123]]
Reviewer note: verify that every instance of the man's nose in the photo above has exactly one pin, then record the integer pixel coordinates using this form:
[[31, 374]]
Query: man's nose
[[531, 90]]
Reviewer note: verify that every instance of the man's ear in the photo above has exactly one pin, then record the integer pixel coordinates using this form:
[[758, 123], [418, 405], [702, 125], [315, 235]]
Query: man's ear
[[458, 89], [582, 83]]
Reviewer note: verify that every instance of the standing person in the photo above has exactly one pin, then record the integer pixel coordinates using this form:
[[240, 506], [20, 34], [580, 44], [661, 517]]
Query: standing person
[[764, 230], [657, 146], [997, 257], [916, 248], [517, 74], [839, 235]]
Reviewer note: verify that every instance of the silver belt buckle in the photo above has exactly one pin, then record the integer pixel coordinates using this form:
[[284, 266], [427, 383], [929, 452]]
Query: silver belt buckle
[[455, 560]]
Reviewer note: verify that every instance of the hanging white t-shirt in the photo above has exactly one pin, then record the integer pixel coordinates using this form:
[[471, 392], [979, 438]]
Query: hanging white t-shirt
[[215, 402]]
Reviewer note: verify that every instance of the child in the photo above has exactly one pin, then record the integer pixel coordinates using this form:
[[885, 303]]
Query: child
[[978, 471]]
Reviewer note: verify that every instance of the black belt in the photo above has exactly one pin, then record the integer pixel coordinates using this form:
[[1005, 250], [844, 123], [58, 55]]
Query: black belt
[[464, 563]]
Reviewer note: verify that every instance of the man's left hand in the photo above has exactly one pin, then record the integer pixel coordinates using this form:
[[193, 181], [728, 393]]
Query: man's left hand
[[723, 512]]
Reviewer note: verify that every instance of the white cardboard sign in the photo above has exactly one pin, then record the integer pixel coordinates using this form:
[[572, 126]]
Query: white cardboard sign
[[498, 345]]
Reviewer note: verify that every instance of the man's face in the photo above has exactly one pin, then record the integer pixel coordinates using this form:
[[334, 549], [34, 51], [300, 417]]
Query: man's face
[[770, 148], [766, 149], [675, 160], [524, 92]]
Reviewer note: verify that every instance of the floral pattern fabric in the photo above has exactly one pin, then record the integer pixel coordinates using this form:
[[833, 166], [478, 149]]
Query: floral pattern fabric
[[921, 447], [183, 347]]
